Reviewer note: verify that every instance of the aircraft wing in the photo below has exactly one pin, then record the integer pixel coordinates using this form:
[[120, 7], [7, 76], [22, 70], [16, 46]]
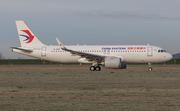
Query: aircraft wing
[[88, 56], [22, 49]]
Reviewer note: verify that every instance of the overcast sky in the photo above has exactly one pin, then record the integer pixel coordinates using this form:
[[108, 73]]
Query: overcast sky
[[92, 22]]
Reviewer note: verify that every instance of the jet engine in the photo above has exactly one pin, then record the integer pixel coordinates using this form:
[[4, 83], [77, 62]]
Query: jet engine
[[115, 63]]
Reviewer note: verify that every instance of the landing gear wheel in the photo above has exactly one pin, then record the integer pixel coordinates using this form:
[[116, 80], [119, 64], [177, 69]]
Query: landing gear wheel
[[98, 68], [150, 69], [92, 68]]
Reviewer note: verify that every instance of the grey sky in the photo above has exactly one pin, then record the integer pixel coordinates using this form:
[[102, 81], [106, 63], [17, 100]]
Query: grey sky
[[96, 22]]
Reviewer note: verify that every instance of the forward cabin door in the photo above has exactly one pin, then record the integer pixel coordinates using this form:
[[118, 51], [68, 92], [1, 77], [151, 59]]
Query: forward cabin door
[[149, 51]]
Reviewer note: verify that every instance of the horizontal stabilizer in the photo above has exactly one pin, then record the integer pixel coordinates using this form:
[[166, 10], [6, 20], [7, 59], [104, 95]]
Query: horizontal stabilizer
[[22, 49]]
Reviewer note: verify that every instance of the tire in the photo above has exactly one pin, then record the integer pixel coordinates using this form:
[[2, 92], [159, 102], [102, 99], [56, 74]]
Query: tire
[[98, 68], [92, 68], [150, 69]]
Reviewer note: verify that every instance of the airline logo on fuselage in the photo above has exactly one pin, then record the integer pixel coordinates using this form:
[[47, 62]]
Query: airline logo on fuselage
[[29, 36], [136, 48], [123, 48], [113, 48]]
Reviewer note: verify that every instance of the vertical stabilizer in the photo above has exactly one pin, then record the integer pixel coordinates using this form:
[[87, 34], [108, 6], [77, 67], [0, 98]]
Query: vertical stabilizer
[[26, 36]]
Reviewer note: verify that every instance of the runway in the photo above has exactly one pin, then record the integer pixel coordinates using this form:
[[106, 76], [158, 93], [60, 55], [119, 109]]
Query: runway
[[74, 87]]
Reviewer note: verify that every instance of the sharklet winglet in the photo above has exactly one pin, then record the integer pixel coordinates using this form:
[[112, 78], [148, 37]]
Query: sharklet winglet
[[60, 44]]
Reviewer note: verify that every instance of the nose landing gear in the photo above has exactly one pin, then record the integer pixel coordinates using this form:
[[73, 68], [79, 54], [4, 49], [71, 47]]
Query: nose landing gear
[[150, 68]]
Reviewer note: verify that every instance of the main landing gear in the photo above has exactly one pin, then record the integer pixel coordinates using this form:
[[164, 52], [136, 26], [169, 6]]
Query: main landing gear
[[150, 68], [95, 68]]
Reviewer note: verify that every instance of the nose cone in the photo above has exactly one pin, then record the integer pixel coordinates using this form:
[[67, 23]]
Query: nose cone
[[169, 57]]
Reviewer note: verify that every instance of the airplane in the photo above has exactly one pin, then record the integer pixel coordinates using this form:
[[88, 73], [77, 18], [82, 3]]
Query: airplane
[[110, 56]]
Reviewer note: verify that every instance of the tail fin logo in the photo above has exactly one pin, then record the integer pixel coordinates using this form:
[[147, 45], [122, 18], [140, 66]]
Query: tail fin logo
[[29, 38]]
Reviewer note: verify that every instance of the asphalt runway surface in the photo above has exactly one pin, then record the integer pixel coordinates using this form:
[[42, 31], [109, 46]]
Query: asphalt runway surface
[[75, 88]]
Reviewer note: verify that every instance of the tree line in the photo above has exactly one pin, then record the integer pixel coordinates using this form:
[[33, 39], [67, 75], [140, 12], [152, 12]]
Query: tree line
[[1, 56]]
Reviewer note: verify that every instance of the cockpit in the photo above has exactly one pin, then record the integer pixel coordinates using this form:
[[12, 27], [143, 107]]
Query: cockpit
[[160, 51]]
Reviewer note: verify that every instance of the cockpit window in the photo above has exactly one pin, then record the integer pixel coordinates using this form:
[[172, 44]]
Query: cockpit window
[[160, 51]]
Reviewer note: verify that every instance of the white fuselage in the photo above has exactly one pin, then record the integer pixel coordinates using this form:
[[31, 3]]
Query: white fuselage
[[127, 53]]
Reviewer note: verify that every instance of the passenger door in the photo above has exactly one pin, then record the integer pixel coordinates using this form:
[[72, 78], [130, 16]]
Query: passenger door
[[149, 51]]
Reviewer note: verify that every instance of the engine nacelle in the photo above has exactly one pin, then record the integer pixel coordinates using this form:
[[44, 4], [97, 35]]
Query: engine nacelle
[[115, 62]]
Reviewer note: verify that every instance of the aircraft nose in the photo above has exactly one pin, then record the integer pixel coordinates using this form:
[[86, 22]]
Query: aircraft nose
[[169, 57]]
